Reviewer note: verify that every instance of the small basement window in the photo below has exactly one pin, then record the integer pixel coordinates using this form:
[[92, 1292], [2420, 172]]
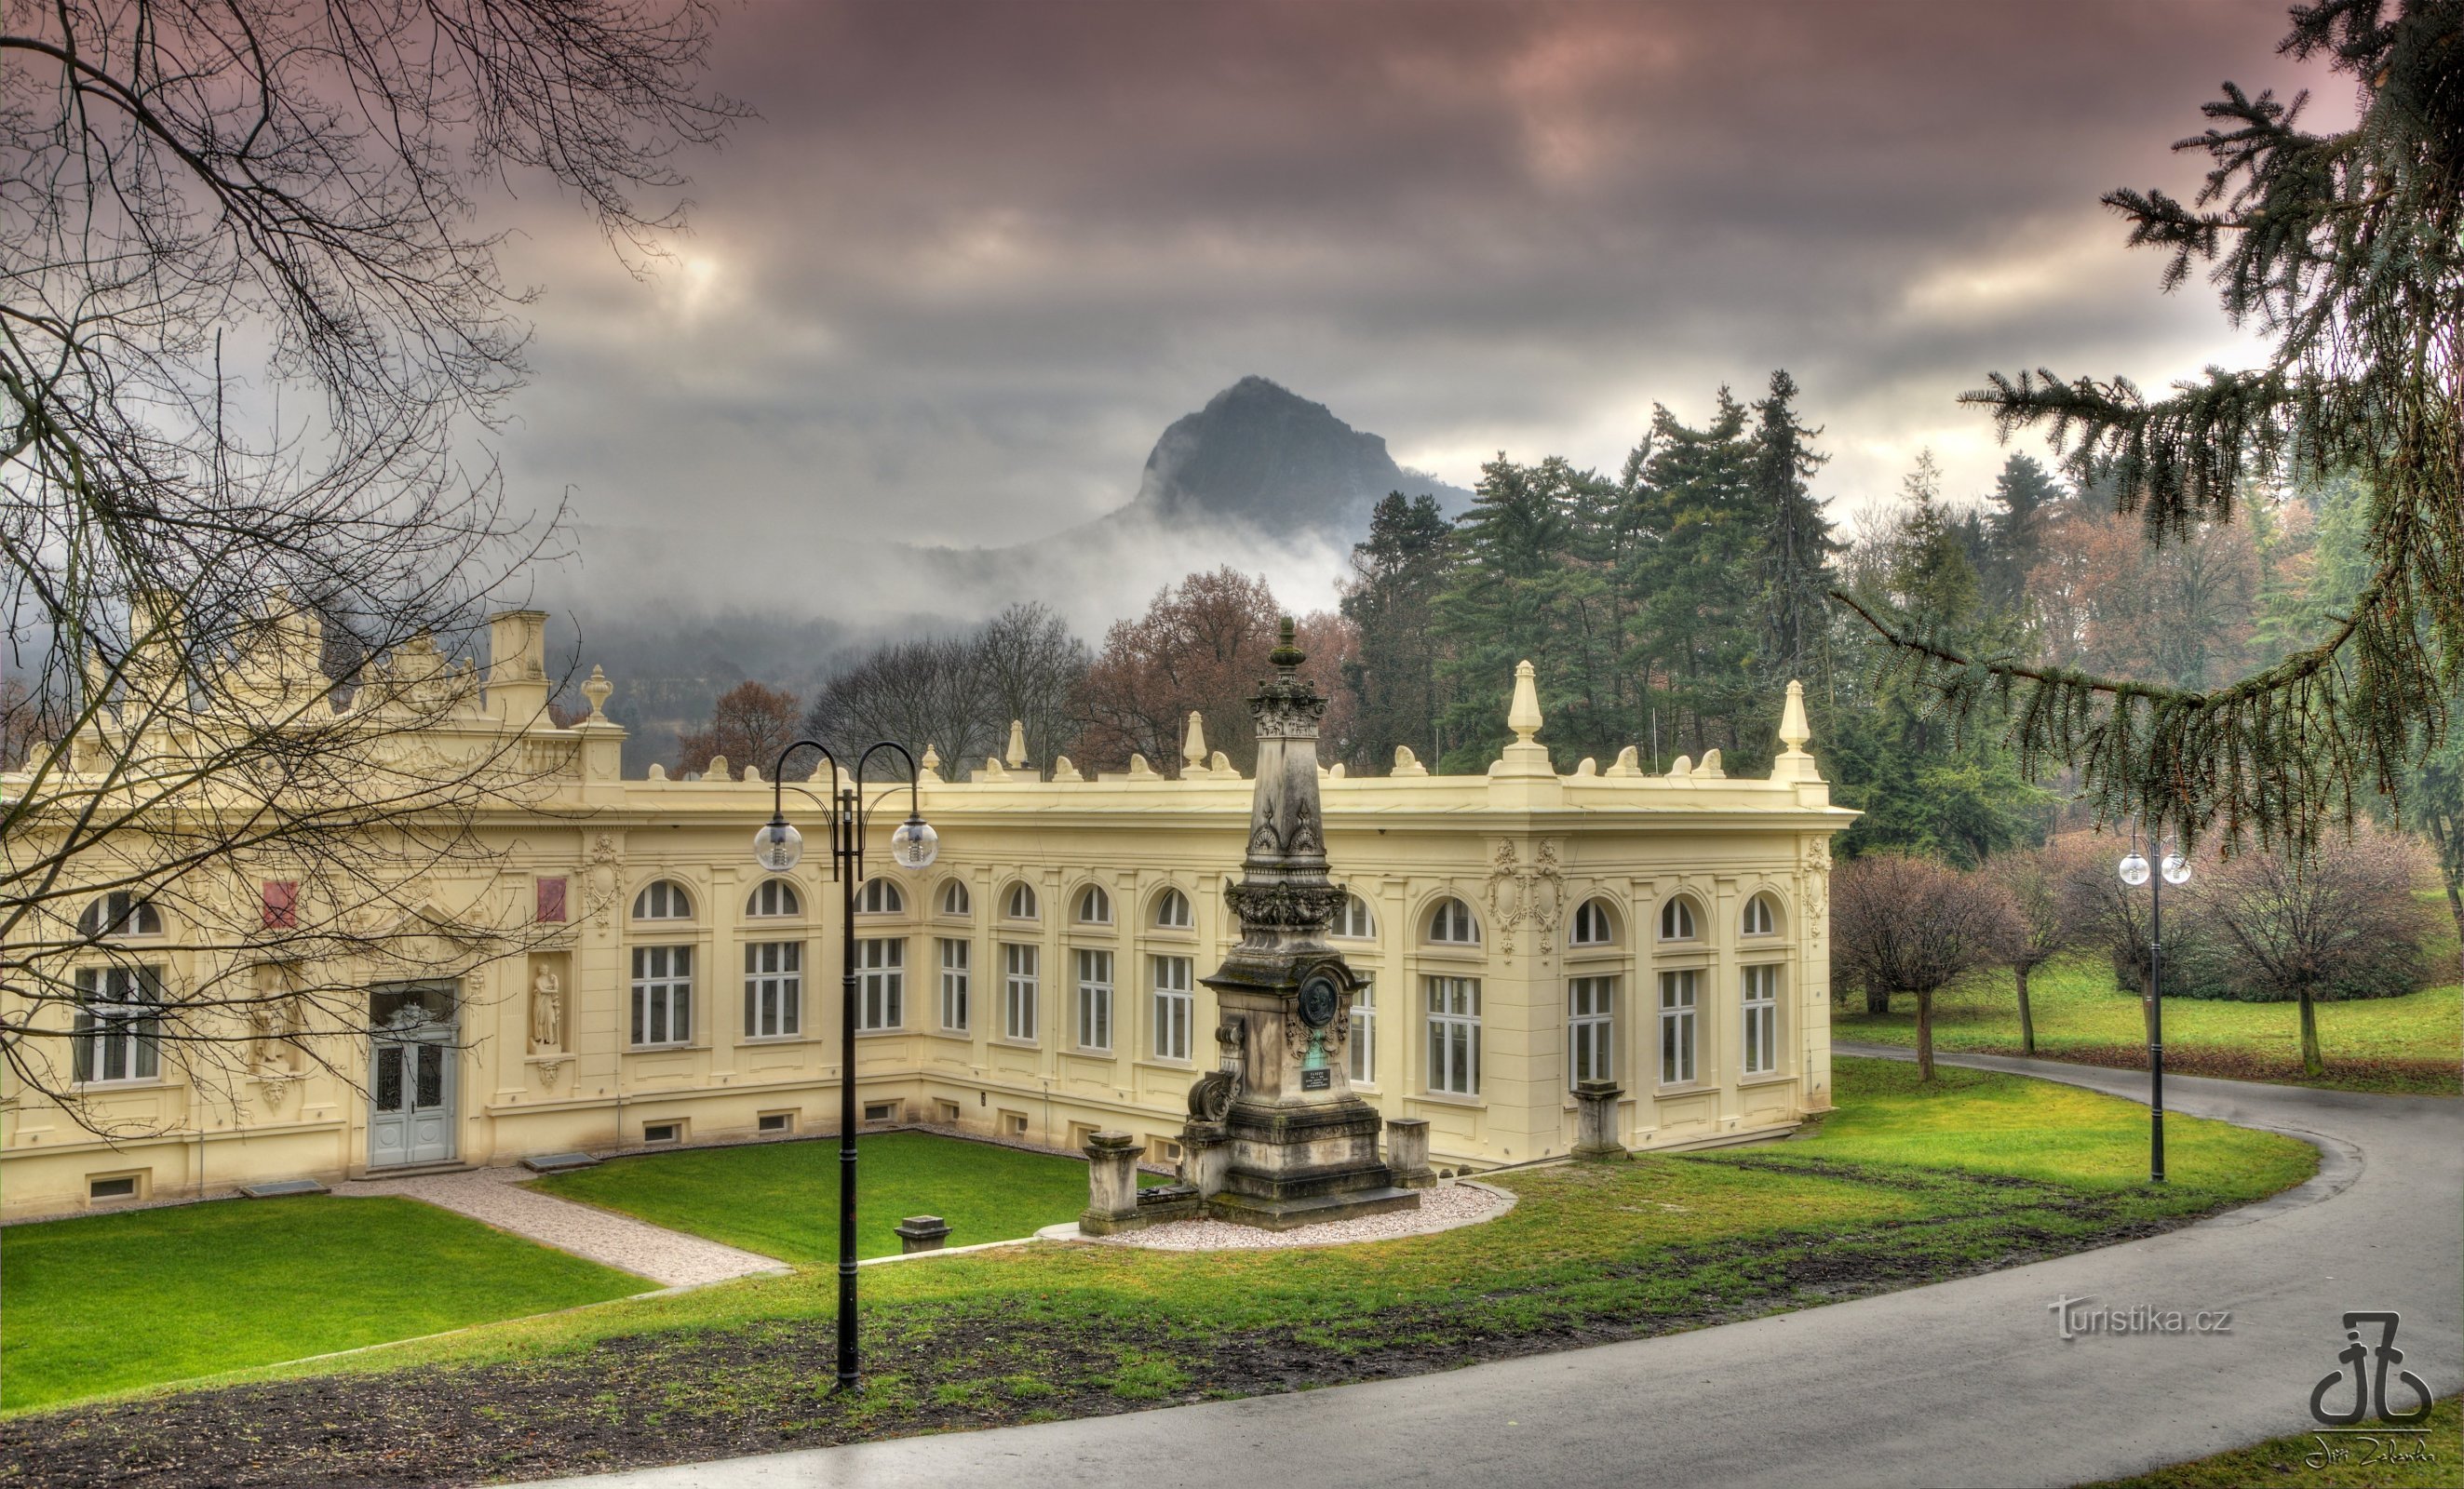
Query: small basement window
[[1013, 1123], [881, 1111], [1164, 1150], [946, 1113], [663, 1133], [777, 1121], [104, 1191]]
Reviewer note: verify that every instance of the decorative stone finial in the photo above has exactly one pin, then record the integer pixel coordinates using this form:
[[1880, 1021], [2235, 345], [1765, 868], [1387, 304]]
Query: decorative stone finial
[[1286, 655], [1524, 717], [1062, 770], [1406, 763], [1792, 730], [931, 761], [597, 689], [1015, 756], [718, 769], [1193, 746]]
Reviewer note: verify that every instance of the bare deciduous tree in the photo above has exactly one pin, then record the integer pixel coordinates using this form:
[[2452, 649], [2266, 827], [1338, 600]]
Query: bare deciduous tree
[[959, 693], [251, 331], [2341, 920], [749, 725], [2038, 882], [1911, 925]]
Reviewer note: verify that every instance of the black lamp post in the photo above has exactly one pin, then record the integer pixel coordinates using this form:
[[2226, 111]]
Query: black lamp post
[[2176, 869], [778, 847]]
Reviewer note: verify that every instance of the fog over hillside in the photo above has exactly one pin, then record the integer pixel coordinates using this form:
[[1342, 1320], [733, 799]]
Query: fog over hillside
[[1259, 478]]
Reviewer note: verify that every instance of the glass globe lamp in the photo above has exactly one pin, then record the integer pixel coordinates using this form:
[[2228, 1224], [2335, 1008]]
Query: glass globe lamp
[[2176, 869], [777, 847], [915, 845], [2133, 868]]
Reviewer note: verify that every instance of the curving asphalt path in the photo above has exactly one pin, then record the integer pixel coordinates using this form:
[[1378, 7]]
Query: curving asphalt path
[[1960, 1383]]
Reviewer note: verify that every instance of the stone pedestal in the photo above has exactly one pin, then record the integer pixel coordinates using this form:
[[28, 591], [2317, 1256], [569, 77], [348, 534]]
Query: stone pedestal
[[1205, 1157], [1111, 1184], [1596, 1124], [922, 1233], [1407, 1152]]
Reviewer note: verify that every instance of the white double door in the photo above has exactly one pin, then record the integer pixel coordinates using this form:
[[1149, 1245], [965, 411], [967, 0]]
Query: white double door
[[412, 1096]]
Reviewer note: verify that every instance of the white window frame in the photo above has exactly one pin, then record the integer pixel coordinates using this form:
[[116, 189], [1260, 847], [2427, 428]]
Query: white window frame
[[880, 896], [1760, 1034], [955, 898], [1680, 1026], [1094, 1001], [774, 989], [1451, 923], [1362, 1052], [1593, 925], [120, 916], [881, 984], [1355, 921], [1175, 1003], [1019, 979], [1770, 917], [955, 982], [662, 996], [117, 1038], [1021, 903], [1094, 907], [1173, 911], [774, 899], [663, 899], [1454, 1035], [1678, 911], [1591, 1029]]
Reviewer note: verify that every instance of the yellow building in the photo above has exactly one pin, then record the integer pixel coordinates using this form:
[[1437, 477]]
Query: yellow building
[[1521, 929]]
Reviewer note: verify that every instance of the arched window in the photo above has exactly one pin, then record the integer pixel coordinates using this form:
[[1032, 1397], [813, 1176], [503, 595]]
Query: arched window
[[1354, 920], [1451, 923], [772, 897], [880, 897], [664, 899], [1094, 907], [1171, 910], [953, 898], [119, 913], [1020, 904], [1762, 917], [1677, 920], [1593, 925]]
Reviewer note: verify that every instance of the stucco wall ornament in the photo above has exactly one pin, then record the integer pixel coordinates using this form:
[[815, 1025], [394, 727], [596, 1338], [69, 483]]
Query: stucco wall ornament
[[1521, 894], [607, 872]]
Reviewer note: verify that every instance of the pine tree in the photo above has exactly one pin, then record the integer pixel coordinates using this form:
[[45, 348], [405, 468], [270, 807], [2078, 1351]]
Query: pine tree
[[2348, 250], [1794, 535], [1396, 578]]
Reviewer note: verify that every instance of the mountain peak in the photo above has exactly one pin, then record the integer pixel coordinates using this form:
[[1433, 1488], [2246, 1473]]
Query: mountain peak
[[1262, 457]]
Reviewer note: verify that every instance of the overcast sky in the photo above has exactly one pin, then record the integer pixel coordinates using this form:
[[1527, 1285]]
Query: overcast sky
[[970, 260]]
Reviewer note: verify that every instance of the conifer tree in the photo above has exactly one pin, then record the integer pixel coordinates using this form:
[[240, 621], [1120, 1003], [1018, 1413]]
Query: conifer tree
[[2346, 249], [1795, 536], [1398, 575]]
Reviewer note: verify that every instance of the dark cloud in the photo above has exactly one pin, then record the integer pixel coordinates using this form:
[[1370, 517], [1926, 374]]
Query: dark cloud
[[971, 259]]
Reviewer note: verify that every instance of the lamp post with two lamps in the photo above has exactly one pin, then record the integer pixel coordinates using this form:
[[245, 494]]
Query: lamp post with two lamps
[[777, 847], [2175, 869]]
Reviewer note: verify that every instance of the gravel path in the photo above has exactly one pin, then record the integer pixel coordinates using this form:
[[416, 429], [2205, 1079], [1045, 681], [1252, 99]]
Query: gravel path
[[1442, 1209], [494, 1196]]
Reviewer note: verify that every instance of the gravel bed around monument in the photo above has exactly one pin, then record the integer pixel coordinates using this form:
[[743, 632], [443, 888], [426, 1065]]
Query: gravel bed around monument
[[1444, 1207]]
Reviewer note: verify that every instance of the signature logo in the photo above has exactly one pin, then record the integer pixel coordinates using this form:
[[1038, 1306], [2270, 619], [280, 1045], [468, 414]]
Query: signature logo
[[2370, 1388]]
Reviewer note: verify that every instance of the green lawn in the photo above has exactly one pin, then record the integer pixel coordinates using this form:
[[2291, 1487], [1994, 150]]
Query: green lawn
[[2413, 1043], [105, 1302], [782, 1200], [2329, 1460], [1906, 1184]]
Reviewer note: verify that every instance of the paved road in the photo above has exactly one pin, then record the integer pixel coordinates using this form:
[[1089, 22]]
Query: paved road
[[1963, 1382]]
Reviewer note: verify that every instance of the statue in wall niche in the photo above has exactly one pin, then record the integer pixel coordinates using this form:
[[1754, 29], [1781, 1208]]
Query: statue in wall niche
[[547, 1015]]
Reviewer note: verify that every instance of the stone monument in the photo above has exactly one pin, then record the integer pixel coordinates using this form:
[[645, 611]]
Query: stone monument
[[1277, 1139]]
